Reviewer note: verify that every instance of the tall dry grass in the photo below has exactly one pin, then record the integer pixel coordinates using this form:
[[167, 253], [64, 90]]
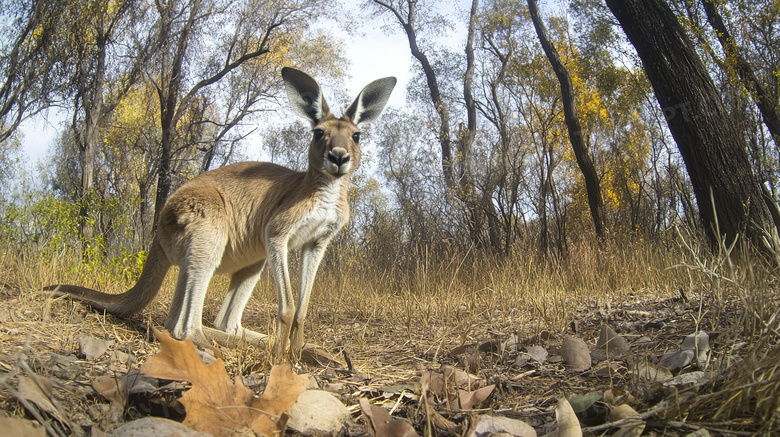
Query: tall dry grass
[[425, 300]]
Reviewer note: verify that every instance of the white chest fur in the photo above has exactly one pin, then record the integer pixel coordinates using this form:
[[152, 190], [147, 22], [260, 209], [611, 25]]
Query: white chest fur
[[324, 219]]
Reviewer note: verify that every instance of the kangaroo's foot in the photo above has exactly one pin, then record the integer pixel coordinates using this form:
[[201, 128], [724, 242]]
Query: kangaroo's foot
[[233, 339]]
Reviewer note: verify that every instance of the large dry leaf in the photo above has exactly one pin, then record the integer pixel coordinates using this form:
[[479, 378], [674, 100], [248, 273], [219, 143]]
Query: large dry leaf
[[37, 389], [218, 405], [472, 399], [455, 387], [631, 429], [648, 371], [381, 424], [93, 348], [537, 353], [18, 427], [576, 354], [610, 340], [693, 346], [568, 424]]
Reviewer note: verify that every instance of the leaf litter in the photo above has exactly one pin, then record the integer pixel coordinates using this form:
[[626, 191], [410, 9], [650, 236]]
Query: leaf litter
[[506, 380]]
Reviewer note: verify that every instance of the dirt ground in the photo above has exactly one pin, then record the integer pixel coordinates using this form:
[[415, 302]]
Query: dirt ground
[[383, 362]]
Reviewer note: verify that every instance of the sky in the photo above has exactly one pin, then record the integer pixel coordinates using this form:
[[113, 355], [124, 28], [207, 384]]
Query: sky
[[373, 54]]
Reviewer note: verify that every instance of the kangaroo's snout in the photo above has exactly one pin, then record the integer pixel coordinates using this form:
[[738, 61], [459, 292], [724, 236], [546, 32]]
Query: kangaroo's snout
[[338, 156]]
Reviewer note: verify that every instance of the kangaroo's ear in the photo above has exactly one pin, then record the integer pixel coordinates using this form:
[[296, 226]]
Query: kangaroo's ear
[[371, 100], [305, 95]]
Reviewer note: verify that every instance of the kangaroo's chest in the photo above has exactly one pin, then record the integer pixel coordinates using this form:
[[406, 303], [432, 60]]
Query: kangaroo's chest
[[322, 219]]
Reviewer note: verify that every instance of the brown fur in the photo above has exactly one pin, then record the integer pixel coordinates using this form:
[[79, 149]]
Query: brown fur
[[234, 219]]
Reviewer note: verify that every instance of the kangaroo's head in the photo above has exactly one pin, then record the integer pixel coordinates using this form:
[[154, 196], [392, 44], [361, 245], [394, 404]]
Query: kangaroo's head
[[335, 143]]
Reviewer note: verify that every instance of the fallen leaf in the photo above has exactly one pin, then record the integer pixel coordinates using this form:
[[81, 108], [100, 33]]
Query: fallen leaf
[[381, 424], [588, 408], [511, 344], [522, 359], [648, 371], [631, 429], [568, 424], [92, 348], [471, 399], [612, 342], [18, 427], [218, 405], [499, 425], [537, 353], [38, 390], [317, 356], [461, 379], [445, 386], [575, 352]]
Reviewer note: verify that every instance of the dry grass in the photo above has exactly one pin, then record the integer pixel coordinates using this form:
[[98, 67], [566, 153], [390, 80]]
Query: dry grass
[[394, 320]]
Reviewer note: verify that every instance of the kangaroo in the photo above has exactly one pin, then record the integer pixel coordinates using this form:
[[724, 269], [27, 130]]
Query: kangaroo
[[235, 219]]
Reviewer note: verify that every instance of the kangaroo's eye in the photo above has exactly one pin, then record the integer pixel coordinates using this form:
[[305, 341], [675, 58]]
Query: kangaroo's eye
[[318, 133], [356, 137]]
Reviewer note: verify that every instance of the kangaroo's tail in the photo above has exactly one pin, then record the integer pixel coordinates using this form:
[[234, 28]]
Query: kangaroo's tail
[[132, 300]]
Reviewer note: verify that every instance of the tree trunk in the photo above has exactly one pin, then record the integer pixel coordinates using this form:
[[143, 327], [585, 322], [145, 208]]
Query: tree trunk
[[573, 126], [712, 149], [763, 99], [433, 87], [90, 94]]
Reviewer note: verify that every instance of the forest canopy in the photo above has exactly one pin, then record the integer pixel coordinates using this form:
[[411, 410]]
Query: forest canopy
[[533, 131]]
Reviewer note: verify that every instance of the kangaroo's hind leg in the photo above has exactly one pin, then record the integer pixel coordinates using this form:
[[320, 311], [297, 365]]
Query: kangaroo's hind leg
[[229, 317]]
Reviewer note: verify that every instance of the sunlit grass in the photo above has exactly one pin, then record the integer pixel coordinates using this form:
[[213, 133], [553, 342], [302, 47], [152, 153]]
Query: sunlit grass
[[436, 300]]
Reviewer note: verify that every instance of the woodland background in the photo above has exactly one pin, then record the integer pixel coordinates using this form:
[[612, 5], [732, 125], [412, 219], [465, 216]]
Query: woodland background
[[479, 157], [553, 170]]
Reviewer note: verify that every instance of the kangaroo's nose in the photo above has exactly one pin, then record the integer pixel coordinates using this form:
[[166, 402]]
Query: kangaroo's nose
[[338, 156]]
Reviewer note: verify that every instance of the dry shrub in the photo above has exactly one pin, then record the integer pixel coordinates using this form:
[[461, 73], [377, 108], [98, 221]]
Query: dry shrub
[[742, 288]]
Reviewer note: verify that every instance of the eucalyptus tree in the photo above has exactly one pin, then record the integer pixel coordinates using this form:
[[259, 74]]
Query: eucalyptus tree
[[448, 84], [208, 41], [108, 49], [573, 126], [729, 197], [29, 63]]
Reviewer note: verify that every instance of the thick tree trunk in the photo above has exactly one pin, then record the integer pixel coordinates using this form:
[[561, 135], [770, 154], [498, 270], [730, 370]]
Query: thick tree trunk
[[764, 100], [584, 161], [712, 149]]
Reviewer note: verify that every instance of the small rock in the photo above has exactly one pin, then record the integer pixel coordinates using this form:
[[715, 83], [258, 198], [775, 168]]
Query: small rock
[[155, 426], [317, 412], [498, 425]]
